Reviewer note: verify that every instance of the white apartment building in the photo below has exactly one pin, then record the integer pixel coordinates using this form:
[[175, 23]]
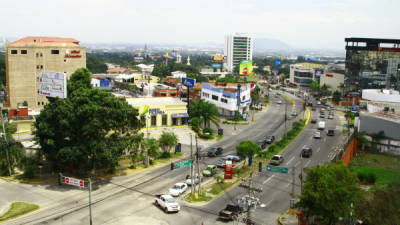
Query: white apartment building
[[238, 47], [226, 98], [302, 74]]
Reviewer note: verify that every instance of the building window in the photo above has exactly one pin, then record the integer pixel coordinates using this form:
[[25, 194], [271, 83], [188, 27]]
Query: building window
[[55, 52], [42, 103], [65, 60], [24, 52], [214, 97], [174, 121], [13, 52], [224, 100], [206, 95], [153, 120], [41, 54], [37, 54], [243, 98], [37, 66], [41, 66], [164, 120], [38, 103]]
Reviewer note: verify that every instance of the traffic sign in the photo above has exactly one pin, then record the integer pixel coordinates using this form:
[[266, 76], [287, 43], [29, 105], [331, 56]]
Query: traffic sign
[[183, 164], [73, 181], [188, 82], [277, 169]]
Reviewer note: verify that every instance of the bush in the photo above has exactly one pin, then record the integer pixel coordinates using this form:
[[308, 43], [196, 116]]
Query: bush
[[165, 155], [366, 177], [208, 130]]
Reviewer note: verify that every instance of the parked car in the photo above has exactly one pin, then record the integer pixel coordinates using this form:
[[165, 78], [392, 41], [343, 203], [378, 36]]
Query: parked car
[[262, 143], [276, 160], [167, 203], [178, 189], [330, 132], [269, 139], [233, 158], [231, 212], [196, 179], [210, 170], [317, 135], [306, 152], [214, 151], [221, 162]]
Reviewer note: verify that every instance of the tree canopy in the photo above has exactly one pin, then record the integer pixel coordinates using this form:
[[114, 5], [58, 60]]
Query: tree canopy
[[247, 149], [15, 150], [328, 192], [89, 129], [205, 110], [167, 141]]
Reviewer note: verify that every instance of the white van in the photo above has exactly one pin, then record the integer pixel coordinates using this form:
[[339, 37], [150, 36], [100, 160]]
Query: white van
[[321, 125]]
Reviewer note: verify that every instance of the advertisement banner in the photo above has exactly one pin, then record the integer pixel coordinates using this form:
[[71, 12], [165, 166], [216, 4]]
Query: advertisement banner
[[216, 66], [53, 84], [246, 68], [277, 62]]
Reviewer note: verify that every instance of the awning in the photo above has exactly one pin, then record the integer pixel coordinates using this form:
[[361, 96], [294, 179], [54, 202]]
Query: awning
[[179, 115]]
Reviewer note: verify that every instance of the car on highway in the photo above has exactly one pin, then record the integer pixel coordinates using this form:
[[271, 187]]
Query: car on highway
[[262, 143], [330, 132], [321, 125], [196, 179], [167, 203], [221, 162], [214, 151], [330, 117], [279, 102], [321, 116], [313, 120], [306, 152], [210, 170], [317, 135], [318, 103], [233, 158], [294, 113], [178, 189], [269, 139], [276, 160], [231, 212]]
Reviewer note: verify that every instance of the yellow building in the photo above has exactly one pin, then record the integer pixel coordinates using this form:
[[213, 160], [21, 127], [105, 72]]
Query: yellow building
[[26, 57], [160, 111]]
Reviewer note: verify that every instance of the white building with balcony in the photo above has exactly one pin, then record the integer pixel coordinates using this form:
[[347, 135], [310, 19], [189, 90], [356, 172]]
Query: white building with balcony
[[226, 98]]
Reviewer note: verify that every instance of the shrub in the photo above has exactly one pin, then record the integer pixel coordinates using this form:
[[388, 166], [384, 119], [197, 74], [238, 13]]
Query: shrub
[[366, 177], [165, 155], [208, 130]]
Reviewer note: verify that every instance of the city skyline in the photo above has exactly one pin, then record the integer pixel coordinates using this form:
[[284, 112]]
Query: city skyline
[[310, 24]]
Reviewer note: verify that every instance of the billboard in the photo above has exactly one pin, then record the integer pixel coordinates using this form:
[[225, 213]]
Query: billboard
[[277, 62], [188, 82], [246, 68], [216, 66], [53, 84]]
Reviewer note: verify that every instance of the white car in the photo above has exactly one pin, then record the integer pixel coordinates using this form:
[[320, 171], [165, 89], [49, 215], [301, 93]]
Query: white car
[[279, 102], [196, 180], [178, 189], [317, 135], [167, 202]]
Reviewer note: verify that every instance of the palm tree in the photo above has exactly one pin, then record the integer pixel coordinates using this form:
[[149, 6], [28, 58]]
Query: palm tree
[[362, 140], [206, 110], [376, 138]]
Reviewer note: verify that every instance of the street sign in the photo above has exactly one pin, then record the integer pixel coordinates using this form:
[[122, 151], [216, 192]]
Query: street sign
[[73, 181], [188, 82], [183, 164], [277, 169]]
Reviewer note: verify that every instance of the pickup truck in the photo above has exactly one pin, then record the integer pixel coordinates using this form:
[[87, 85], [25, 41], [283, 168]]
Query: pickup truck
[[167, 203], [231, 212]]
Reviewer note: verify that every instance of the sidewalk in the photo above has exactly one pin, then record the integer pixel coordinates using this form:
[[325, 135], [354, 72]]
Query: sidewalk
[[288, 219]]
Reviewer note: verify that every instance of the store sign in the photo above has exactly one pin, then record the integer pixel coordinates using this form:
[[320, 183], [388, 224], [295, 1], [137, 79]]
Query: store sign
[[53, 84], [156, 111]]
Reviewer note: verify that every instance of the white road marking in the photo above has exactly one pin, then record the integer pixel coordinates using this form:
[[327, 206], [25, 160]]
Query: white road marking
[[319, 148], [308, 162], [287, 163], [269, 178]]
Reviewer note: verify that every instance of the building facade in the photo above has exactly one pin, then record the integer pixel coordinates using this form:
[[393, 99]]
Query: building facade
[[26, 57], [160, 111], [366, 62], [333, 80], [238, 47], [303, 74], [226, 98]]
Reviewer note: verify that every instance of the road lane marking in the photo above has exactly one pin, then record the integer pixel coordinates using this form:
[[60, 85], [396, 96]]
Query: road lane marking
[[287, 163], [319, 148], [269, 178]]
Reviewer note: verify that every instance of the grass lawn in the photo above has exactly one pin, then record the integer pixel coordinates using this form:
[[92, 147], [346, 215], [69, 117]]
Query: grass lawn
[[18, 209], [385, 167]]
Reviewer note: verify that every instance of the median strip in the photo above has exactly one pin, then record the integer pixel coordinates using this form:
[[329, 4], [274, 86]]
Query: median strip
[[18, 209]]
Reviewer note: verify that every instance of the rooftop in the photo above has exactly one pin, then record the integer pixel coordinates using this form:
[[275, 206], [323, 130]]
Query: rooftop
[[384, 95], [44, 41], [154, 101]]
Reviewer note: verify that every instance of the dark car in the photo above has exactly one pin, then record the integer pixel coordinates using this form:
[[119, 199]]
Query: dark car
[[331, 132], [306, 152], [214, 151], [221, 163], [269, 139], [262, 143], [313, 120], [231, 212], [233, 158]]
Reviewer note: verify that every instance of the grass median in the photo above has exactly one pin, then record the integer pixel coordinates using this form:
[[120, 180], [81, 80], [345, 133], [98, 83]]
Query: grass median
[[18, 209]]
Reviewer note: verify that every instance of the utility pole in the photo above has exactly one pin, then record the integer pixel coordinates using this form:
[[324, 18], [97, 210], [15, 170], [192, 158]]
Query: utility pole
[[285, 118], [90, 201], [301, 173], [250, 201], [293, 179], [198, 165], [191, 165], [5, 139]]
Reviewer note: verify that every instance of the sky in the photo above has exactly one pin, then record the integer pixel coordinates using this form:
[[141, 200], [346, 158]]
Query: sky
[[314, 24]]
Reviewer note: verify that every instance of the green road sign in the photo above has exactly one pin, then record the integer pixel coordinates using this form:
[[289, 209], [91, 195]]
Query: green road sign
[[277, 169], [183, 164]]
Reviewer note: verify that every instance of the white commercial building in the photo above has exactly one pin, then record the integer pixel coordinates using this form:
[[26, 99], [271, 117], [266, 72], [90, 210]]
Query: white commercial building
[[303, 74], [226, 98], [333, 80], [238, 47]]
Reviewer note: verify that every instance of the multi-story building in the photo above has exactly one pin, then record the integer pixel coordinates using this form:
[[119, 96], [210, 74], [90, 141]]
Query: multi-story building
[[303, 74], [238, 47], [226, 98], [26, 57], [366, 62]]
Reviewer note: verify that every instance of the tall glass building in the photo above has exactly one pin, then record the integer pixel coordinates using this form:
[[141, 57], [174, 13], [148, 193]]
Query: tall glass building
[[238, 47]]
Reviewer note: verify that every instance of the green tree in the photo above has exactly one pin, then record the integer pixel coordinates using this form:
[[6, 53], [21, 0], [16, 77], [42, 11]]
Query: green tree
[[315, 87], [167, 141], [362, 140], [96, 65], [376, 138], [336, 97], [328, 192], [90, 129], [205, 110], [14, 148], [134, 148], [150, 149], [247, 149], [383, 207]]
